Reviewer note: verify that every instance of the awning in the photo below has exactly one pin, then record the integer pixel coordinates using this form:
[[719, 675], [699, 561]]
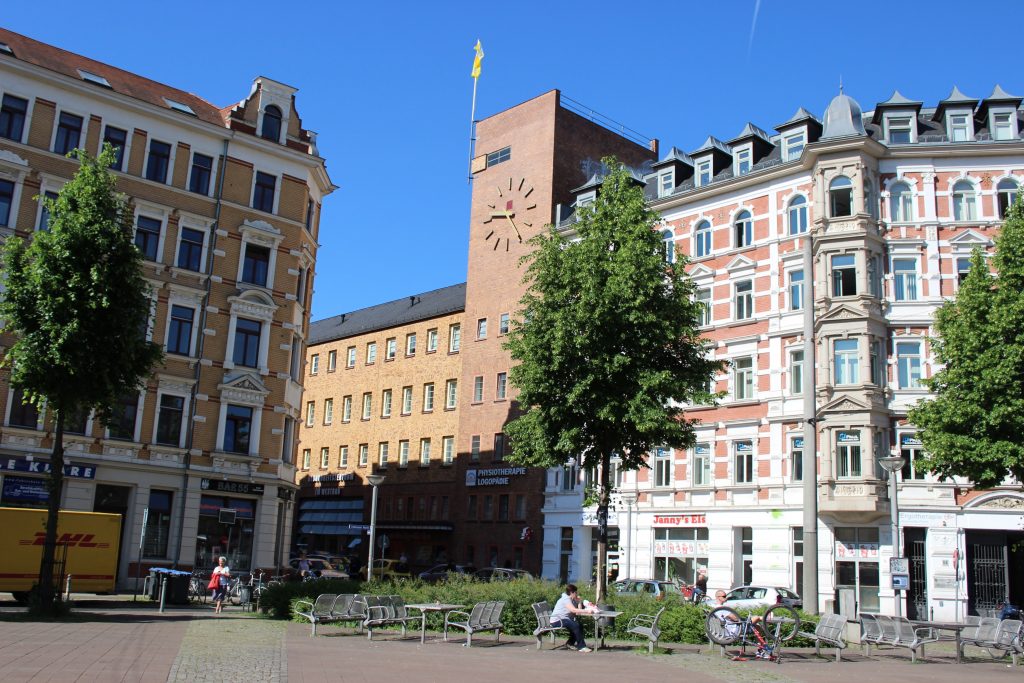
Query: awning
[[443, 526], [329, 529]]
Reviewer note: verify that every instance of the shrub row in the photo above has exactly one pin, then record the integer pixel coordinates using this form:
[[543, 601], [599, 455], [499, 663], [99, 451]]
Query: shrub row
[[682, 622]]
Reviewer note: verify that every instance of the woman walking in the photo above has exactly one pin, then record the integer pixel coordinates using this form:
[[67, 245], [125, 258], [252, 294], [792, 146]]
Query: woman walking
[[222, 574]]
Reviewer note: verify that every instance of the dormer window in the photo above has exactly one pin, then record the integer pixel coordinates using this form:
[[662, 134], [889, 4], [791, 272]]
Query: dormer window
[[271, 123], [899, 129], [959, 127], [585, 199], [1004, 126], [743, 157], [666, 183], [704, 173], [793, 145]]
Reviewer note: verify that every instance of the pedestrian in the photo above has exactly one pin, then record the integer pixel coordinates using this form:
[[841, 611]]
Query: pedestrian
[[223, 575], [303, 565], [700, 588], [563, 616]]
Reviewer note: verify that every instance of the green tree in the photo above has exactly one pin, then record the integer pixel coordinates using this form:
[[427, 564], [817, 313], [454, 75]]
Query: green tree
[[974, 426], [606, 346], [77, 303]]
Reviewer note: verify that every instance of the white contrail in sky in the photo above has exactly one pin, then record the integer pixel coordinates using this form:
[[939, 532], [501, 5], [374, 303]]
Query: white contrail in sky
[[753, 26]]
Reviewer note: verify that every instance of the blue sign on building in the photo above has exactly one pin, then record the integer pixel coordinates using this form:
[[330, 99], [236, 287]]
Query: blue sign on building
[[75, 469]]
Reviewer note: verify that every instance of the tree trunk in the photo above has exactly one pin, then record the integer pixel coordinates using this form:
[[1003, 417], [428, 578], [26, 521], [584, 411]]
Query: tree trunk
[[604, 488], [55, 484]]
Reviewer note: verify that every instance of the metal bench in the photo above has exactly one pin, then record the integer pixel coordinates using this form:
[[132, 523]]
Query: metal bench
[[319, 611], [1003, 637], [830, 630], [543, 612], [385, 610], [912, 636], [646, 625], [485, 616], [870, 631]]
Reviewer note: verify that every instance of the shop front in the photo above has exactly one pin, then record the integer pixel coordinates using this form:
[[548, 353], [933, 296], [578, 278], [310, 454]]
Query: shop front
[[226, 526], [681, 547]]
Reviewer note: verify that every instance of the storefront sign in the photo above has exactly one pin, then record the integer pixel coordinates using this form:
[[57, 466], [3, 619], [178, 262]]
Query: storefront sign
[[680, 520], [328, 478], [590, 517], [798, 442], [221, 486], [855, 550], [928, 519], [285, 494], [25, 490], [494, 476], [681, 548], [77, 470], [909, 440], [848, 437], [335, 491]]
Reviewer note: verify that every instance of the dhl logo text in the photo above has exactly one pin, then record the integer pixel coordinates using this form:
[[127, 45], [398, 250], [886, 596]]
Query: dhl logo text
[[70, 540]]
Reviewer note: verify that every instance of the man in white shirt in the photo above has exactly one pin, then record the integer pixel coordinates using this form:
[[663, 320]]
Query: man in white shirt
[[563, 616]]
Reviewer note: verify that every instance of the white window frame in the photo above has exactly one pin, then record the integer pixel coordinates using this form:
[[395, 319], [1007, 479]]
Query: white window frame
[[432, 340], [703, 296], [428, 397], [703, 242], [965, 200], [403, 453], [901, 203], [748, 462], [702, 459], [385, 403], [307, 457], [346, 409], [342, 456], [664, 464], [849, 454], [796, 457], [905, 283], [367, 405], [795, 289], [966, 124], [900, 121], [793, 144], [259, 234], [797, 216], [332, 361], [350, 357], [666, 182], [447, 450], [796, 371], [743, 230], [451, 394], [1011, 124], [328, 411], [501, 386], [847, 361], [481, 328], [702, 167], [425, 452], [310, 413], [744, 379], [390, 348], [478, 389], [314, 364], [383, 449], [325, 457], [364, 454], [371, 352], [743, 155], [743, 302], [410, 344], [454, 338], [909, 366], [406, 400]]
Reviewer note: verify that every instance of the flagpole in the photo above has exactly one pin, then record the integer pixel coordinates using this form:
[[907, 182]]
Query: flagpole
[[472, 132]]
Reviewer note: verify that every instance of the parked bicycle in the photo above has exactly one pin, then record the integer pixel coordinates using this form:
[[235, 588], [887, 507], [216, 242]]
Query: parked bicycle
[[780, 623], [197, 590]]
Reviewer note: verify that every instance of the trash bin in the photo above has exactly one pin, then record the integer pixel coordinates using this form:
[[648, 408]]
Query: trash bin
[[177, 587], [606, 622], [155, 575], [244, 595]]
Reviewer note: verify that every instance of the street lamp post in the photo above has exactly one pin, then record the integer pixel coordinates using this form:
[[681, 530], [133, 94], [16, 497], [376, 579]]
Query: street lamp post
[[629, 498], [892, 465], [375, 481]]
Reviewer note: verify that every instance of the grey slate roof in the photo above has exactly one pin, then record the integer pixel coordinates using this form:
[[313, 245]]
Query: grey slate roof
[[674, 155], [750, 131], [403, 311], [956, 98], [843, 118], [895, 101], [800, 116], [712, 144], [1000, 95]]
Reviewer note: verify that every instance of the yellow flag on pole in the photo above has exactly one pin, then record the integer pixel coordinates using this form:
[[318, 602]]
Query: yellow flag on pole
[[475, 73]]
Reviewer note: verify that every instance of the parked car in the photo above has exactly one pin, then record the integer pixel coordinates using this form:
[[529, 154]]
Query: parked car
[[319, 568], [387, 569], [658, 589], [501, 574], [749, 597], [440, 572]]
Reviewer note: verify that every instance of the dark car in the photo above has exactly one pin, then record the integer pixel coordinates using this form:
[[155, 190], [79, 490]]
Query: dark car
[[440, 572]]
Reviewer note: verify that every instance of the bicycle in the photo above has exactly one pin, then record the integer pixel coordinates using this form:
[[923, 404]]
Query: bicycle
[[197, 590], [780, 623]]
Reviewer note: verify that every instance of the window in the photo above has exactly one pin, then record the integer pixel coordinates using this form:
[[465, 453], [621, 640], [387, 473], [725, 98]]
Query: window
[[118, 139], [12, 117], [874, 275], [24, 414], [481, 328], [310, 413], [908, 364], [271, 123], [904, 279], [743, 378], [314, 364], [743, 161], [901, 203], [798, 215], [428, 396], [666, 183], [410, 344], [478, 389], [309, 214], [159, 161], [877, 364], [796, 458], [793, 145], [743, 462], [796, 290], [126, 412], [474, 448], [237, 427], [371, 353], [199, 179], [158, 524], [848, 454], [263, 192], [390, 348], [424, 452], [840, 197], [332, 361], [382, 454], [965, 206], [796, 372], [325, 458], [350, 357], [846, 370], [190, 249], [1002, 126], [1006, 195], [963, 267], [343, 456], [346, 409], [451, 393], [385, 403], [702, 236], [406, 400], [704, 299], [501, 386], [147, 237], [663, 464], [844, 275], [702, 464], [247, 342], [910, 449], [44, 211], [256, 265], [743, 230], [179, 332], [899, 130], [168, 421], [499, 157], [959, 127], [503, 323], [703, 176], [403, 453], [743, 301], [328, 411], [6, 200], [305, 458], [367, 405], [69, 131], [499, 447], [364, 454], [746, 543], [431, 340], [454, 338], [448, 450]]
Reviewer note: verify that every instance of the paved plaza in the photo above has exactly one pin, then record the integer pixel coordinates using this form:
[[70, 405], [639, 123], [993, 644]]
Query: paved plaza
[[135, 644]]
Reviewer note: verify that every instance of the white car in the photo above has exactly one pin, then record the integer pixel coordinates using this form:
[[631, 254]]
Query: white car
[[751, 597]]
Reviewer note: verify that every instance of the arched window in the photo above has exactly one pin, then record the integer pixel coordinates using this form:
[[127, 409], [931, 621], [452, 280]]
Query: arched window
[[743, 229], [271, 123], [798, 215], [668, 246], [965, 203], [840, 197], [703, 239], [901, 203], [1006, 194]]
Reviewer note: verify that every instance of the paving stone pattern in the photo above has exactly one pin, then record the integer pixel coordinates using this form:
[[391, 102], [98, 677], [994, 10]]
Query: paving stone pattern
[[223, 649]]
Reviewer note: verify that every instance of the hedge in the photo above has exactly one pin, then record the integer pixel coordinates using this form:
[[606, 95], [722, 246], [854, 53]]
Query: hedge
[[682, 622]]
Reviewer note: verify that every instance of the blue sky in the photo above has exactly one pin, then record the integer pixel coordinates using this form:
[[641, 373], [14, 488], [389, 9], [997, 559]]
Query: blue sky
[[387, 87]]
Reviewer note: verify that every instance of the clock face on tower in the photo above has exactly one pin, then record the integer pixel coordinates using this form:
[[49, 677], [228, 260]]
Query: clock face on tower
[[508, 219]]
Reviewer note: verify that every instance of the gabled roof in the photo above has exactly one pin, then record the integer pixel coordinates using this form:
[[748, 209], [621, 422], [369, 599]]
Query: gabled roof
[[800, 116], [712, 144], [998, 96], [391, 314], [675, 155], [955, 99], [593, 182], [895, 101], [750, 131]]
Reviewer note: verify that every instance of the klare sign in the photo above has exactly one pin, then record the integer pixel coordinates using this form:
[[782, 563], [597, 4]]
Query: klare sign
[[77, 470]]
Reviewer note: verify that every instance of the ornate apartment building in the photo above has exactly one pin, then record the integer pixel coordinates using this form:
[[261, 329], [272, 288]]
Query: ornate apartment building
[[226, 205]]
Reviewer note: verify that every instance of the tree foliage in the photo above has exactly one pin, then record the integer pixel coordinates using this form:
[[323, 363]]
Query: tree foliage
[[606, 345], [77, 303], [974, 426]]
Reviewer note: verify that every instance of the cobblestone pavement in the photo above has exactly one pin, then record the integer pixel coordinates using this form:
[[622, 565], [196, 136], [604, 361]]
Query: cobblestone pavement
[[226, 649]]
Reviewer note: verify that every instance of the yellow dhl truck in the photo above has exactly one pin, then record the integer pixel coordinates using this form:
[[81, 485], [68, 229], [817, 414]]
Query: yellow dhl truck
[[91, 539]]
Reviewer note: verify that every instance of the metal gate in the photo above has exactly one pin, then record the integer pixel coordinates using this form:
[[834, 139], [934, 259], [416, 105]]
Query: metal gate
[[988, 576], [917, 598]]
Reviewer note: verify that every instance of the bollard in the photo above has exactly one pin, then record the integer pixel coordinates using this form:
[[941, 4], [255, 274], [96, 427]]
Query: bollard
[[163, 592], [68, 589]]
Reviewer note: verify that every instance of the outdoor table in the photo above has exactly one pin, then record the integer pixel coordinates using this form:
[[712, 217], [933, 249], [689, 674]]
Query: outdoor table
[[598, 630], [956, 627], [427, 607]]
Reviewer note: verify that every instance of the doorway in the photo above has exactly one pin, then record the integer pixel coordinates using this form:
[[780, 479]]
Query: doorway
[[917, 595], [114, 500], [995, 569]]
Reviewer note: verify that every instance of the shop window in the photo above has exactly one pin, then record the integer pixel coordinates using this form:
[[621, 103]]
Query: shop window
[[158, 524], [680, 553]]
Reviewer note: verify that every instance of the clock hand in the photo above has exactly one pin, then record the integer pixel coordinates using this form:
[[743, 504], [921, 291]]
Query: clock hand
[[508, 215]]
